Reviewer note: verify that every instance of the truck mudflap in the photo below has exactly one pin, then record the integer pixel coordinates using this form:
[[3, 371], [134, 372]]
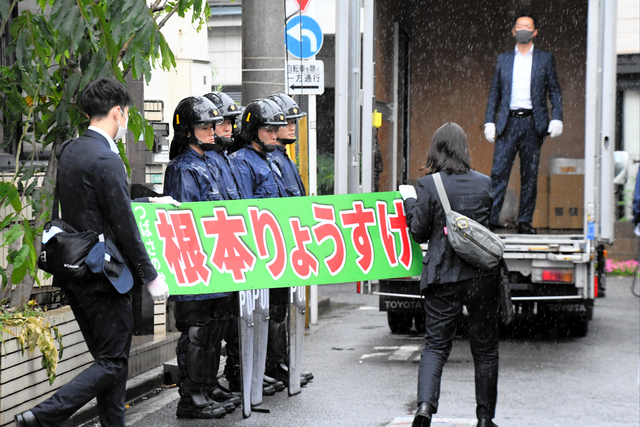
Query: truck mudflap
[[569, 317]]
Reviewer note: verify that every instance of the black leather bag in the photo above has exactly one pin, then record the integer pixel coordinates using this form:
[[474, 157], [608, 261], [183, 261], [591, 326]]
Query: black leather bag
[[64, 249]]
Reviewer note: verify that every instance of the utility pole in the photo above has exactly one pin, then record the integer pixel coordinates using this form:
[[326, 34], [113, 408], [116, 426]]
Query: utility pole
[[263, 67]]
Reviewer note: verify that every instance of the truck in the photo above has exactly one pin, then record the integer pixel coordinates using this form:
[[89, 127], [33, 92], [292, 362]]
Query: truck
[[556, 275]]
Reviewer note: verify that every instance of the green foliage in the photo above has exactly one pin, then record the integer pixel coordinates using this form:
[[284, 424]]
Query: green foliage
[[325, 174], [59, 48]]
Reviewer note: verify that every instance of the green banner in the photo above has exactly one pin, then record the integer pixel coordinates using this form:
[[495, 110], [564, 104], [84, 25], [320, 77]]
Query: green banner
[[206, 247]]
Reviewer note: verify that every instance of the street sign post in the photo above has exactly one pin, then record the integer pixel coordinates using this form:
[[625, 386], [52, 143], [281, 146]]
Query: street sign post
[[302, 4], [305, 77], [303, 37]]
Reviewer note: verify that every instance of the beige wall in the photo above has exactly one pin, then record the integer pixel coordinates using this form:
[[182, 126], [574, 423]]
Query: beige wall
[[628, 40], [454, 49]]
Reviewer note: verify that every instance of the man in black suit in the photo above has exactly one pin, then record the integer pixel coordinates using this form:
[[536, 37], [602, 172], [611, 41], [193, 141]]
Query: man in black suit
[[93, 195], [517, 118]]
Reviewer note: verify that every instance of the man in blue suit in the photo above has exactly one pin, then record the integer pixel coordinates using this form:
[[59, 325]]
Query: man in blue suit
[[517, 118]]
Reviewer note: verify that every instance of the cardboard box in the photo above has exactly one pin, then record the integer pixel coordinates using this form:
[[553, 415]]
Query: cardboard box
[[541, 214], [566, 201]]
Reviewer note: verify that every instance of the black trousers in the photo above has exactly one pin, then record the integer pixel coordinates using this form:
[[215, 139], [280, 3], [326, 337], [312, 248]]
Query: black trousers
[[519, 136], [106, 322], [442, 304]]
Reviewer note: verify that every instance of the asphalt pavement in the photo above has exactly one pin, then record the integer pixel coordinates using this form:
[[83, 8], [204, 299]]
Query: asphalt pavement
[[365, 376]]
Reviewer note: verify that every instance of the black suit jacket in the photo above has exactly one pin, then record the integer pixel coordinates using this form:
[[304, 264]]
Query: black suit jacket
[[469, 194], [92, 188], [544, 81]]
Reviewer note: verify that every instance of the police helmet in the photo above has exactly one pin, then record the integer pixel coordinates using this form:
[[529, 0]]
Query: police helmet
[[227, 106], [288, 106], [258, 114], [191, 112]]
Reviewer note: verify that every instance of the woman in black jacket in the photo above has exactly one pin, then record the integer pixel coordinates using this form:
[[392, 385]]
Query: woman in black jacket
[[448, 282]]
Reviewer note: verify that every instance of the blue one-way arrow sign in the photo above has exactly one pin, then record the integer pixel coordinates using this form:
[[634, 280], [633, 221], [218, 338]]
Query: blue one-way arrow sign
[[303, 36]]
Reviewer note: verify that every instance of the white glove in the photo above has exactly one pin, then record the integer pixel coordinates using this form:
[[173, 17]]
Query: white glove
[[490, 132], [407, 192], [636, 230], [158, 289], [165, 200], [555, 128]]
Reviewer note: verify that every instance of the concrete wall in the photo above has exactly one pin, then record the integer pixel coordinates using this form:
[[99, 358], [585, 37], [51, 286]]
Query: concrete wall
[[453, 52]]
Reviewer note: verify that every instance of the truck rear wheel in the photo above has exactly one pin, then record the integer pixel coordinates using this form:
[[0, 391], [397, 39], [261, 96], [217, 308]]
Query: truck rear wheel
[[579, 326], [399, 323]]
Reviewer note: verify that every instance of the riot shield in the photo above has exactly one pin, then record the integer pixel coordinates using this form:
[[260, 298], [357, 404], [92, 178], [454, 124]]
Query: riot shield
[[260, 339], [297, 310], [246, 332]]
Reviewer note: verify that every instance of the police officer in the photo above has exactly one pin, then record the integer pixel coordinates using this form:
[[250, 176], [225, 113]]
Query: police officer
[[258, 177], [277, 361], [223, 140], [192, 176], [261, 120]]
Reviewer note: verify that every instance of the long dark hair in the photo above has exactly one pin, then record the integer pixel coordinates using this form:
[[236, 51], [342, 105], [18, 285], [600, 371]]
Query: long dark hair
[[449, 151]]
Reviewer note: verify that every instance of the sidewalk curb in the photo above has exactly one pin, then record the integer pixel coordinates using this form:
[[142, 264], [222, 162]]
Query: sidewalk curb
[[146, 382]]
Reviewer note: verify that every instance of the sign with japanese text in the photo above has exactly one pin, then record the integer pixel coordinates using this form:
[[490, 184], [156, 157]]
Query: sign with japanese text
[[207, 247], [305, 77]]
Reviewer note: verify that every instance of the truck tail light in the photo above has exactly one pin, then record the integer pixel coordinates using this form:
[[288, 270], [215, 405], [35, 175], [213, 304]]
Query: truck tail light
[[553, 275], [359, 287]]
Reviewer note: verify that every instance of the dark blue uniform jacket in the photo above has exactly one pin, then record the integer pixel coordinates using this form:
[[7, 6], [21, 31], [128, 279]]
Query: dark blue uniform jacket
[[225, 176], [192, 177], [258, 177], [290, 175]]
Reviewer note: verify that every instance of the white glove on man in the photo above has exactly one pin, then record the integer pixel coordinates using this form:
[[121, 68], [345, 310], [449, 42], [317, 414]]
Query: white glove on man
[[158, 289], [490, 132], [165, 200], [636, 230], [555, 128], [407, 192]]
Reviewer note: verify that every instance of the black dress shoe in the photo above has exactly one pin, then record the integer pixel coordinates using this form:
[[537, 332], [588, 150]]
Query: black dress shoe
[[307, 375], [423, 415], [486, 423], [26, 419], [526, 228]]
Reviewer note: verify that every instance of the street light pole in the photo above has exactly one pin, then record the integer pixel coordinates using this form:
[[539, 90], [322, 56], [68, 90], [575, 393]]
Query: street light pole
[[263, 51]]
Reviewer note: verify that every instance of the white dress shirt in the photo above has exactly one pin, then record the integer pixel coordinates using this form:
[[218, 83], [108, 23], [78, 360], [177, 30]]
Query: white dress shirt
[[112, 144], [521, 81]]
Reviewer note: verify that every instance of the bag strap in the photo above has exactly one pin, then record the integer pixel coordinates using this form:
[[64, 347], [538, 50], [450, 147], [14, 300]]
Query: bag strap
[[55, 211], [437, 179]]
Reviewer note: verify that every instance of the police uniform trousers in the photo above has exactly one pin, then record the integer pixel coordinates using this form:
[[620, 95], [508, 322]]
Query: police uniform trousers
[[443, 305], [519, 136], [106, 322]]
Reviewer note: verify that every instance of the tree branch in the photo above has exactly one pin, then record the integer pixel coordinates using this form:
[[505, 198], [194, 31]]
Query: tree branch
[[4, 24]]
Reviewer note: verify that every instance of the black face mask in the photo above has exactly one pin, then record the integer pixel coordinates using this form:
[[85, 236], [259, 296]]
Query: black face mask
[[286, 141], [268, 148], [223, 142], [206, 147], [524, 36]]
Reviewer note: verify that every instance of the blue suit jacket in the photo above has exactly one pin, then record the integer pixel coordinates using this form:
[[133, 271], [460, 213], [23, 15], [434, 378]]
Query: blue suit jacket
[[544, 80]]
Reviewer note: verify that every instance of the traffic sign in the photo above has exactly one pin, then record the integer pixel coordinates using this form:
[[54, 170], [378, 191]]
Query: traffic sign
[[303, 36], [302, 4], [305, 77]]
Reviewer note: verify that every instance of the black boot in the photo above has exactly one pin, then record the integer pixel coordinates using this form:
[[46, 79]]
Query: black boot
[[486, 423], [187, 408], [423, 415], [192, 366]]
